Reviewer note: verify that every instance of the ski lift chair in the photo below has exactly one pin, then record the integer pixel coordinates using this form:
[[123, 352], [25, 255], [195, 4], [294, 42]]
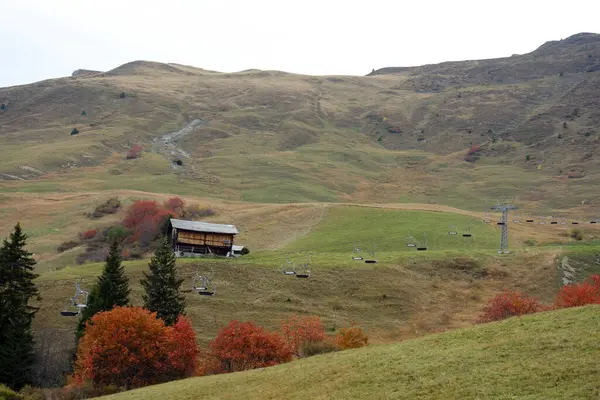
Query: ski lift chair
[[553, 221], [516, 219], [410, 240], [453, 230], [486, 218], [423, 246], [467, 233], [72, 302], [371, 259], [305, 270], [357, 254], [288, 268]]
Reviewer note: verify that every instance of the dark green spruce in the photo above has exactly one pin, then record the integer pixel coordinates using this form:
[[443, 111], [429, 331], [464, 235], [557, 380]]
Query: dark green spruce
[[110, 291], [162, 285], [16, 313]]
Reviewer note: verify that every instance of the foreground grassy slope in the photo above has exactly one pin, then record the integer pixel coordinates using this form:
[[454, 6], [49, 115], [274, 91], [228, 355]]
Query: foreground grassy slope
[[551, 355]]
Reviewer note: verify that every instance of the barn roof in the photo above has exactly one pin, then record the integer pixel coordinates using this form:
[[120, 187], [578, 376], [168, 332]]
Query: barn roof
[[203, 226]]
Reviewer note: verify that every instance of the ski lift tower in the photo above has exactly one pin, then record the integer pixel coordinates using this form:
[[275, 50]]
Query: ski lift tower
[[504, 208]]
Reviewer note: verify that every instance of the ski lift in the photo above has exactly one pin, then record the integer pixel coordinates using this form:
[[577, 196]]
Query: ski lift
[[594, 221], [500, 223], [530, 220], [305, 270], [553, 221], [288, 268], [486, 218], [453, 230], [372, 259], [423, 246], [74, 302], [357, 253], [467, 233], [203, 284], [410, 240]]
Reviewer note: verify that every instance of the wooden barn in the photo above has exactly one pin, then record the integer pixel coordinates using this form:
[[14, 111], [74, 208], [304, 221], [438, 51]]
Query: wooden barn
[[192, 238]]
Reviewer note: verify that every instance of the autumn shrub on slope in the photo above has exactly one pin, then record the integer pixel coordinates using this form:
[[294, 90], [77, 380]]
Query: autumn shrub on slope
[[130, 347]]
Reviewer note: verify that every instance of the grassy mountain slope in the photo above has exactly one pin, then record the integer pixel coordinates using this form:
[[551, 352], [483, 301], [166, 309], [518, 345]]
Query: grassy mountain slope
[[548, 355], [400, 135]]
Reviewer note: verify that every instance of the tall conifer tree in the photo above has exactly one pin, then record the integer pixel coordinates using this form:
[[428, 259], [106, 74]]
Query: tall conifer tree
[[16, 313], [162, 285], [111, 289]]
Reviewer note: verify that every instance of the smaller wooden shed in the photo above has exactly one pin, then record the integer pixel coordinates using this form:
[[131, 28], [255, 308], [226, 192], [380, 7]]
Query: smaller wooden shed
[[190, 238]]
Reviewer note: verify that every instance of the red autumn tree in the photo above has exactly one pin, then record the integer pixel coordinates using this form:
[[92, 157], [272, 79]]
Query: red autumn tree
[[298, 332], [130, 347], [243, 345], [351, 338], [134, 152], [89, 234], [579, 294], [145, 218], [509, 304], [175, 204]]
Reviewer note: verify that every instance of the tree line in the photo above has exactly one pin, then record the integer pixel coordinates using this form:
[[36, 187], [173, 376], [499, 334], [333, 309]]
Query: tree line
[[19, 294]]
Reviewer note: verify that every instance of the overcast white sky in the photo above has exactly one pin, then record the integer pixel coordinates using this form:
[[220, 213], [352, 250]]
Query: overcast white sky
[[42, 39]]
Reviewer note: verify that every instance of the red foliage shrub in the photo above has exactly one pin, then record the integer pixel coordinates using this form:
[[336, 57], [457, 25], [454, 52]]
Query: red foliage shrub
[[129, 347], [175, 204], [579, 294], [474, 149], [134, 152], [145, 218], [351, 338], [509, 304], [298, 332], [89, 234], [243, 345]]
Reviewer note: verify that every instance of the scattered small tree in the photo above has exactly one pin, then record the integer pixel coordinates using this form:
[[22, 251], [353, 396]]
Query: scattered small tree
[[111, 289], [243, 345], [122, 95], [162, 285], [509, 304], [75, 131], [576, 234], [351, 338], [2, 106], [83, 112], [16, 313]]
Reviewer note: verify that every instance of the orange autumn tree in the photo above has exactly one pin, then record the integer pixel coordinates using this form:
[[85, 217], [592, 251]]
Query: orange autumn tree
[[351, 338], [243, 345], [299, 332], [130, 347]]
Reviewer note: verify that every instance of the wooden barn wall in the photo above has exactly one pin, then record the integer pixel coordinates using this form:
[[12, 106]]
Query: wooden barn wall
[[200, 238]]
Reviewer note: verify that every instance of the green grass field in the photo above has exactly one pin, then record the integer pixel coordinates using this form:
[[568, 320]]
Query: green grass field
[[551, 355]]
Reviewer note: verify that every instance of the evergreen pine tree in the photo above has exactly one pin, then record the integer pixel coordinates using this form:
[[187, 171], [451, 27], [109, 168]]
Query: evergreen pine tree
[[111, 289], [162, 285], [16, 314]]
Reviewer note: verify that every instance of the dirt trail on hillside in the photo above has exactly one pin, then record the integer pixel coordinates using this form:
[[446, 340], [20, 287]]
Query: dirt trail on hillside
[[167, 144]]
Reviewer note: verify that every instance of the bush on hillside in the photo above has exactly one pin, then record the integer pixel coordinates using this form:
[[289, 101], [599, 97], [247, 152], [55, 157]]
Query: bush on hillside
[[87, 235], [309, 349], [134, 152], [2, 106], [579, 294], [130, 347], [351, 338], [196, 211], [75, 131], [298, 332], [68, 245], [110, 206], [576, 234], [241, 346], [509, 304]]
